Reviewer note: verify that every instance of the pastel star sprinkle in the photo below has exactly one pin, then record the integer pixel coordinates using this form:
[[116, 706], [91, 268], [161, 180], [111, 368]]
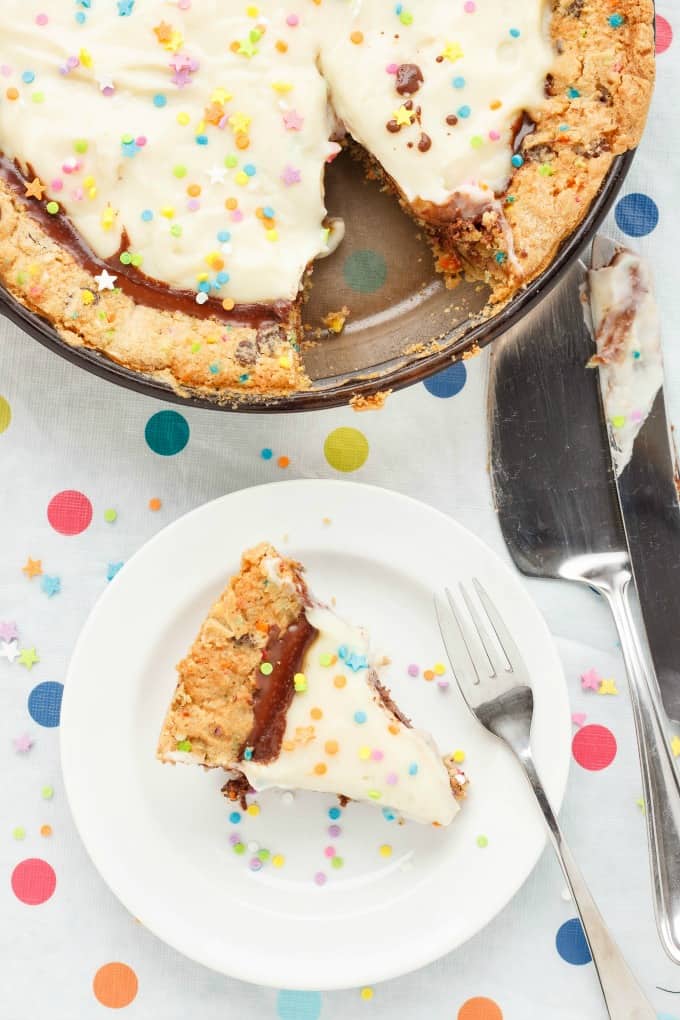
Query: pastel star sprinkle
[[28, 657], [608, 687], [452, 51], [35, 189], [403, 117], [290, 176], [105, 281], [22, 744], [591, 680], [217, 175], [292, 120], [32, 568], [9, 650], [8, 630], [50, 585]]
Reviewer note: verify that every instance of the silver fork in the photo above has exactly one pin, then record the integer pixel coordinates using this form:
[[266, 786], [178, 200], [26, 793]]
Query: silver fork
[[498, 694]]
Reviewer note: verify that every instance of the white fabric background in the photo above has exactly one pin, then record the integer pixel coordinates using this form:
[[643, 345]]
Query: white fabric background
[[71, 430]]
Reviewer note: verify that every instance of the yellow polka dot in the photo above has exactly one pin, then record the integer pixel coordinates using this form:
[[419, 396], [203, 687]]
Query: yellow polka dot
[[364, 753], [366, 994], [278, 860], [5, 414], [346, 449], [385, 850], [253, 809], [439, 668], [459, 756]]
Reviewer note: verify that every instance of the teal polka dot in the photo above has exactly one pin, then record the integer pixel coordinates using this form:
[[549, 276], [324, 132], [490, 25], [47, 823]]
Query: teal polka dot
[[365, 271], [299, 1005], [166, 433]]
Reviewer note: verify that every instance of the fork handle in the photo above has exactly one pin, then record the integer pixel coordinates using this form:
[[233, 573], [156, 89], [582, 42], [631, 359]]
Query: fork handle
[[623, 996]]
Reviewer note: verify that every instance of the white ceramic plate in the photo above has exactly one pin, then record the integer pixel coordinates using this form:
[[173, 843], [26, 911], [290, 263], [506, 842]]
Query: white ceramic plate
[[160, 836]]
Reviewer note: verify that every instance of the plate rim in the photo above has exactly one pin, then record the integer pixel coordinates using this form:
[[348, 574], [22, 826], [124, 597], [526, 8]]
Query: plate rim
[[252, 974]]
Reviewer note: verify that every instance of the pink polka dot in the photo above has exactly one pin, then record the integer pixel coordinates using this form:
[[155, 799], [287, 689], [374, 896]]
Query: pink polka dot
[[594, 747], [33, 881], [69, 512], [664, 34]]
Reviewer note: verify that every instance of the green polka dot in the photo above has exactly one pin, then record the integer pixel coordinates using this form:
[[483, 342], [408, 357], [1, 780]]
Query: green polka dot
[[110, 516], [5, 414], [346, 449], [365, 271]]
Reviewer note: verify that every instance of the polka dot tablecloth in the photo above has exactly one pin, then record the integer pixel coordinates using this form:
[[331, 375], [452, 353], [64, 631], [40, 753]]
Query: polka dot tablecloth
[[90, 472]]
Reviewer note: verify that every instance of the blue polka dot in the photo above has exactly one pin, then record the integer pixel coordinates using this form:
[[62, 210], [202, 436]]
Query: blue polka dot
[[636, 214], [167, 432], [449, 382], [299, 1005], [44, 703], [571, 943]]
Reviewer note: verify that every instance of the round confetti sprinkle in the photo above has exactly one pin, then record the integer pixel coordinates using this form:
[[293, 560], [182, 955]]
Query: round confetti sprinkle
[[664, 34], [365, 271], [5, 414], [482, 841], [19, 832], [33, 881], [594, 747], [480, 1008], [69, 512], [283, 462], [334, 812], [266, 453], [253, 809], [385, 850], [278, 860], [45, 830], [636, 214], [155, 504], [44, 703], [366, 994], [47, 792], [298, 1005], [167, 433], [449, 382], [110, 515], [115, 985], [320, 878], [571, 943], [346, 449]]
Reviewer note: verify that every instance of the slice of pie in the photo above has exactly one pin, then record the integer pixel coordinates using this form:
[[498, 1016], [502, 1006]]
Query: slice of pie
[[281, 692]]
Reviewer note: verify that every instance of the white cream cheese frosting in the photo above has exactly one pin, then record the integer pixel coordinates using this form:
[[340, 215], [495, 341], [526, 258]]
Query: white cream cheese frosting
[[340, 737], [625, 324], [190, 139]]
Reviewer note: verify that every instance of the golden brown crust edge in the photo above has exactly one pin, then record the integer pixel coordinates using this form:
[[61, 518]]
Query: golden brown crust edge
[[211, 713], [209, 357]]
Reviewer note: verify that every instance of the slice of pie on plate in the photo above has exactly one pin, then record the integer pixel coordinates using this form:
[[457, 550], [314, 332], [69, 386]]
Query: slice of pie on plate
[[281, 692]]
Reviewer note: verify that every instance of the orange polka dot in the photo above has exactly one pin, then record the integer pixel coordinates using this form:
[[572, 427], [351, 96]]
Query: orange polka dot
[[12, 93], [228, 304], [45, 830], [231, 203], [155, 503], [115, 985], [357, 38], [194, 190], [281, 46], [320, 768], [316, 713], [428, 674], [480, 1008], [283, 462], [393, 728], [339, 681], [331, 747]]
